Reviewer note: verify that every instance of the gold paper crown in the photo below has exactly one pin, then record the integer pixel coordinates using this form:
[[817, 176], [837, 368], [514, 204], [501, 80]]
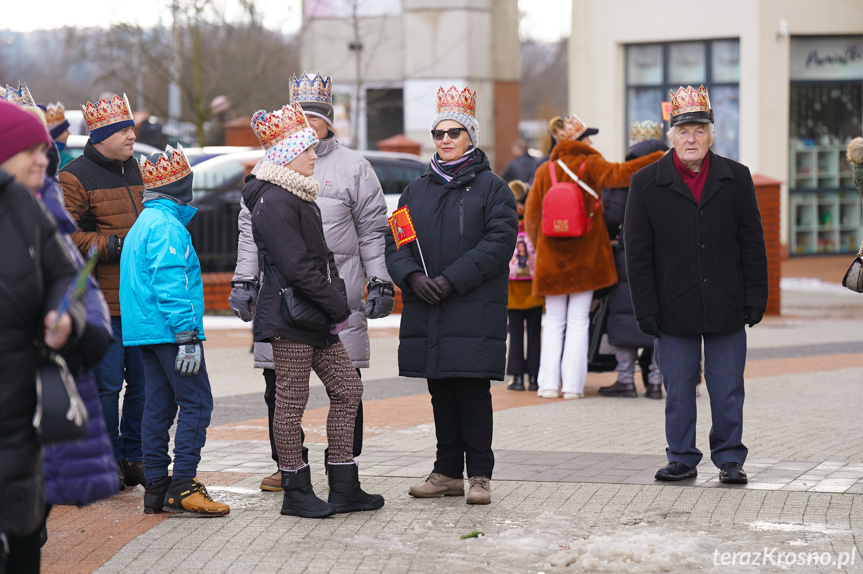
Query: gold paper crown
[[171, 166], [643, 131], [106, 112], [687, 100], [452, 100], [278, 125], [55, 114], [309, 88], [572, 128]]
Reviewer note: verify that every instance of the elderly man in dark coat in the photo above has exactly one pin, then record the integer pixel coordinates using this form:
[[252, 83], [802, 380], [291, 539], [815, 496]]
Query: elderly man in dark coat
[[697, 267], [454, 281]]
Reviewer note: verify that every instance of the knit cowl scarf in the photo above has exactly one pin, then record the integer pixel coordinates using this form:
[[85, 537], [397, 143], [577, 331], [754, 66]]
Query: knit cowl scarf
[[302, 186], [447, 170]]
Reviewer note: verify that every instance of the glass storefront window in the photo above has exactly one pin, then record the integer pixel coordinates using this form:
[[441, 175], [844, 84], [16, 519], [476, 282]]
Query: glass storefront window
[[725, 101], [687, 63], [644, 65], [726, 61], [644, 104]]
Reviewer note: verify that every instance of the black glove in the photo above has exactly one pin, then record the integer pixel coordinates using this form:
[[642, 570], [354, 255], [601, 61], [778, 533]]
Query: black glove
[[424, 287], [242, 299], [189, 353], [649, 325], [752, 316], [381, 298], [444, 285], [115, 246]]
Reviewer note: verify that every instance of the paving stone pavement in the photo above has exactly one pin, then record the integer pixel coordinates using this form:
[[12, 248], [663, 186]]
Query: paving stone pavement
[[573, 488]]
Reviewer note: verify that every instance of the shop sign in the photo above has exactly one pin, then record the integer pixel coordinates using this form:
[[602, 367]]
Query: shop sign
[[837, 58]]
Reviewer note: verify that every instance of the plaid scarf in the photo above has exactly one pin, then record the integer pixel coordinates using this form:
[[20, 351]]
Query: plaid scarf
[[447, 170]]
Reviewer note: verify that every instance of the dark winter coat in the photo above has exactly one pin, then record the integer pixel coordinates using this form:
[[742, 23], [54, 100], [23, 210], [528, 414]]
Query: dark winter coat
[[36, 273], [696, 264], [467, 230], [105, 197], [289, 234], [83, 471], [621, 327]]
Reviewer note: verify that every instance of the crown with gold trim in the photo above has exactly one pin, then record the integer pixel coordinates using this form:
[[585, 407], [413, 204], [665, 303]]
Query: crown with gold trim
[[572, 129], [106, 112], [451, 100], [55, 114], [20, 97], [690, 105], [271, 128], [308, 88], [171, 166], [643, 131]]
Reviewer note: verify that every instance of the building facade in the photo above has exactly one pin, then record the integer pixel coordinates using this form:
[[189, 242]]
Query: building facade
[[387, 59], [785, 79]]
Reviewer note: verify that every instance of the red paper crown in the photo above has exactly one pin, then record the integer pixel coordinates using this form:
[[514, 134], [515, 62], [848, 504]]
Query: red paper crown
[[166, 169], [452, 100], [278, 125], [55, 114], [687, 100], [106, 112], [572, 128]]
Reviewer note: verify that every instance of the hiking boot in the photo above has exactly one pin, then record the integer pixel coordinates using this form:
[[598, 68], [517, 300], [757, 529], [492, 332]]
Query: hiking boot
[[134, 472], [272, 483], [480, 490], [437, 485], [300, 498], [345, 492], [154, 495], [517, 383], [618, 389], [121, 475], [191, 497]]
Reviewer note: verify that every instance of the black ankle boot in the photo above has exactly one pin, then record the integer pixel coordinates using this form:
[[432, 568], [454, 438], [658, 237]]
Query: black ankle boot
[[345, 492], [517, 383], [154, 495], [300, 498], [534, 382]]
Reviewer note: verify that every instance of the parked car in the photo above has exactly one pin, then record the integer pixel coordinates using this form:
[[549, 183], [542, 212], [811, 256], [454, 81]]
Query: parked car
[[75, 146], [218, 185], [196, 155]]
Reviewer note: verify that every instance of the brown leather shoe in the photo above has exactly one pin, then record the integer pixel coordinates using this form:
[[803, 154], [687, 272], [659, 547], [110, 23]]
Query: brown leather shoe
[[618, 389], [480, 490], [437, 485], [653, 391], [273, 483]]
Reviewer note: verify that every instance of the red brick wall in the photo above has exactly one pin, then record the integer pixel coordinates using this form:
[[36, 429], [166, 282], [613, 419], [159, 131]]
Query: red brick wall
[[767, 191]]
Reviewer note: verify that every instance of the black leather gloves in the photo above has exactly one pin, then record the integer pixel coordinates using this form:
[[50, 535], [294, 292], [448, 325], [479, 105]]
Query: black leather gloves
[[649, 325], [381, 298], [752, 315], [425, 288], [242, 298], [115, 246], [444, 285]]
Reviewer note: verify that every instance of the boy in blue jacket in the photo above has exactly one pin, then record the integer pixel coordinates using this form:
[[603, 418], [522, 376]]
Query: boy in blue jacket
[[160, 286]]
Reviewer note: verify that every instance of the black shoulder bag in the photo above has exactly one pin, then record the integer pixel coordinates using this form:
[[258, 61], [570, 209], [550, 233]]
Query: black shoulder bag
[[297, 309]]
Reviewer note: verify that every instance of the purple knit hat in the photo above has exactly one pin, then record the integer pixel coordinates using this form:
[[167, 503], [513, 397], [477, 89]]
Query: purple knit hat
[[21, 130]]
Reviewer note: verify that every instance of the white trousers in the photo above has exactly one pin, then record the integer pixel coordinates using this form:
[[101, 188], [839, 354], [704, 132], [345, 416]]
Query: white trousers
[[563, 362]]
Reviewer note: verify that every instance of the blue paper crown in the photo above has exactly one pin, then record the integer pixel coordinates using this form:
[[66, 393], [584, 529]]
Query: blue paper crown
[[309, 88], [20, 97]]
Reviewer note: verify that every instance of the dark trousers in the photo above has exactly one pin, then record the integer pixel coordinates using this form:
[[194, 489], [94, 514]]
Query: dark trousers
[[24, 554], [166, 391], [463, 426], [270, 399], [679, 357], [516, 363]]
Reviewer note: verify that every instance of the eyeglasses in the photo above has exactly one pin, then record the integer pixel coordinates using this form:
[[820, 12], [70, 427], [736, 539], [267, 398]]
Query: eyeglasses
[[453, 133], [699, 133]]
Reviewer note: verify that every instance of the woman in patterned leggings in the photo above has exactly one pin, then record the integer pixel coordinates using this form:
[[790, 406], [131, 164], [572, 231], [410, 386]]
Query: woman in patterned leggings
[[292, 252]]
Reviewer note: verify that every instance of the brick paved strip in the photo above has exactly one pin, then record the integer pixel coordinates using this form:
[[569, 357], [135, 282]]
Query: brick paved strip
[[80, 540]]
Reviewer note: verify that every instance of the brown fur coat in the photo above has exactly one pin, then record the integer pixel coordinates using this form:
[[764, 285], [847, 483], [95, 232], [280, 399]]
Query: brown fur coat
[[566, 265]]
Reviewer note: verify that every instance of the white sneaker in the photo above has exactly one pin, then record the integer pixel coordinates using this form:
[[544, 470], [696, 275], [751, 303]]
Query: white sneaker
[[547, 394], [570, 396]]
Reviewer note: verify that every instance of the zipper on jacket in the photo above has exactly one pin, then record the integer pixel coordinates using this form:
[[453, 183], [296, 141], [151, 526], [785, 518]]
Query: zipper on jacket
[[461, 218]]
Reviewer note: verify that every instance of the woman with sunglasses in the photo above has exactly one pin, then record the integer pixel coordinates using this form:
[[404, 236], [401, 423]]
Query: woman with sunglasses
[[454, 281]]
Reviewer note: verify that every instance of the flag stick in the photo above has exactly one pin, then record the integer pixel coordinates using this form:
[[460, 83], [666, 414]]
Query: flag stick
[[421, 256]]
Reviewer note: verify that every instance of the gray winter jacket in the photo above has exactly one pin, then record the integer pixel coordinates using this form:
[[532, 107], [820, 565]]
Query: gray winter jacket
[[354, 213]]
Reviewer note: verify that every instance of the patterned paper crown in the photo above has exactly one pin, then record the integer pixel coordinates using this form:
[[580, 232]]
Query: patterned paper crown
[[687, 100], [309, 88], [279, 125], [106, 112], [643, 131], [20, 97], [55, 114], [452, 100], [572, 128], [171, 166]]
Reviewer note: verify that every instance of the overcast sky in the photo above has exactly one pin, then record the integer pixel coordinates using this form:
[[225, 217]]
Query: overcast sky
[[546, 20]]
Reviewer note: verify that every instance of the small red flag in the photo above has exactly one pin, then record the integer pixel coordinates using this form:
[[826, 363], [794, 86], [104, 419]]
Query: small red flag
[[402, 227]]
